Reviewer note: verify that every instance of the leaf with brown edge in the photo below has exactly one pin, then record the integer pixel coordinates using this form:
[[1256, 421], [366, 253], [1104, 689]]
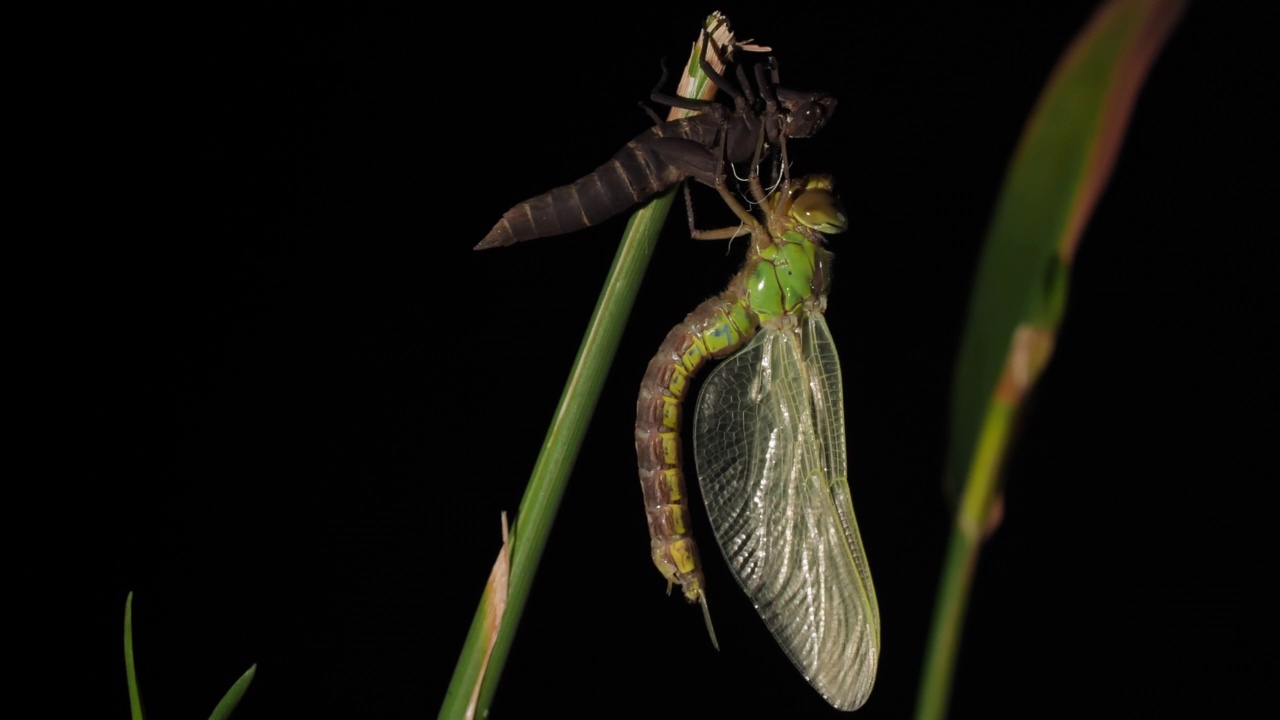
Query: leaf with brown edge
[[1059, 170]]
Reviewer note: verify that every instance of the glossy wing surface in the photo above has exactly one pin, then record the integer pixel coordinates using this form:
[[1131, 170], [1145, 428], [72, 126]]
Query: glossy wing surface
[[769, 442]]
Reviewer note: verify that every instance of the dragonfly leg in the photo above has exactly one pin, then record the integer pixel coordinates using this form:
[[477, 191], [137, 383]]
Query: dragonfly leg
[[749, 222], [775, 121], [657, 120], [748, 225], [708, 107]]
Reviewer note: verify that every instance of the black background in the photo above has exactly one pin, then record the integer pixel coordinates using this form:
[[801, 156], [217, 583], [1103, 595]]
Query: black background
[[297, 401]]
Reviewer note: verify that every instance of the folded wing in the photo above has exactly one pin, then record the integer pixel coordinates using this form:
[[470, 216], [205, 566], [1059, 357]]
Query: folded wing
[[769, 443]]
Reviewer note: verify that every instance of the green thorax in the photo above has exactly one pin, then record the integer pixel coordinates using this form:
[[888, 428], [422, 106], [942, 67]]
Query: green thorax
[[789, 271]]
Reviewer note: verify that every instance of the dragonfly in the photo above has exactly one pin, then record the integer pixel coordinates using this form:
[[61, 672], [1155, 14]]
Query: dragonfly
[[769, 434], [769, 445]]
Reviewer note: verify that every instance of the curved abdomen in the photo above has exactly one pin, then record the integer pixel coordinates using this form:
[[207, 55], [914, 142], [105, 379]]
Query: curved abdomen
[[716, 329]]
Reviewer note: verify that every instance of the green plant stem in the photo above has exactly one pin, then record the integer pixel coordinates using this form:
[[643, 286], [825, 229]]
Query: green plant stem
[[569, 426], [528, 536], [131, 675], [1059, 170], [961, 560], [234, 695]]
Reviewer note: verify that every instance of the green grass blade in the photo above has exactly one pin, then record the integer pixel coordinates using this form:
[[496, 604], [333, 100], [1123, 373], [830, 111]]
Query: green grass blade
[[135, 699], [224, 707], [229, 701], [1059, 170], [485, 651]]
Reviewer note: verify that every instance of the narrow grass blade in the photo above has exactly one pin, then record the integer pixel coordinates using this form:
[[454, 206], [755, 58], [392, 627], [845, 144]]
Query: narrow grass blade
[[495, 591], [237, 690], [1059, 170], [135, 699], [564, 437]]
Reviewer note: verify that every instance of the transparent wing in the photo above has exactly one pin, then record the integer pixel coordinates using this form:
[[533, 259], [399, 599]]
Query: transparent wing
[[769, 444]]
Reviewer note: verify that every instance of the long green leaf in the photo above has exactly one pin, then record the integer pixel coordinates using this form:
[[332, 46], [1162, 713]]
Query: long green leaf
[[237, 690], [135, 698], [485, 651], [1059, 170], [224, 707]]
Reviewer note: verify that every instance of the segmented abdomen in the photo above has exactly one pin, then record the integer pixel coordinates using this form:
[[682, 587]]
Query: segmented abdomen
[[715, 329], [644, 167]]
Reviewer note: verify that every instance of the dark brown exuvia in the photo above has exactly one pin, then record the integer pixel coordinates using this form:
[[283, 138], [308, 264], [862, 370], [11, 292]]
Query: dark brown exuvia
[[754, 129]]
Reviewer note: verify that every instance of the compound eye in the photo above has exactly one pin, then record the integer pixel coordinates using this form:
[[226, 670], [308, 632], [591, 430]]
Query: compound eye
[[820, 209]]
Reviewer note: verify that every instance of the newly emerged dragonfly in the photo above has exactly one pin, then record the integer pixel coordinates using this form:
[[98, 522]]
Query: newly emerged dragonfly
[[769, 435], [769, 446]]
